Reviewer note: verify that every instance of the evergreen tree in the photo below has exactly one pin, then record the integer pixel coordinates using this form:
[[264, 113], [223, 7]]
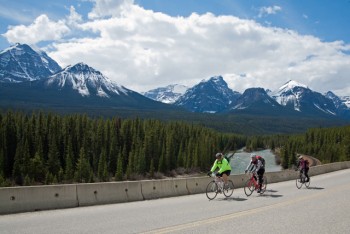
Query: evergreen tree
[[102, 167], [119, 172], [83, 171]]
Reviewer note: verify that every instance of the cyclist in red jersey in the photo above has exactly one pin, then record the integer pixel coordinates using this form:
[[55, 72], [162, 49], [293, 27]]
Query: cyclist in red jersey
[[303, 165], [257, 164]]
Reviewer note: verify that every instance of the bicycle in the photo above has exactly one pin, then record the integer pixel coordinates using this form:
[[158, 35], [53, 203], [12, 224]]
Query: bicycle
[[302, 180], [252, 184], [217, 186]]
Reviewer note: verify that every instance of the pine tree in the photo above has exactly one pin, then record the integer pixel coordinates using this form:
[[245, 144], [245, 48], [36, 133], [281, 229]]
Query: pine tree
[[102, 167], [119, 172], [83, 171]]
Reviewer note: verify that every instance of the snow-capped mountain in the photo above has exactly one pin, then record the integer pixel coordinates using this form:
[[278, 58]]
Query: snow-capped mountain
[[299, 97], [86, 81], [209, 96], [21, 63], [346, 100], [42, 83], [168, 94], [253, 97], [338, 103], [289, 94]]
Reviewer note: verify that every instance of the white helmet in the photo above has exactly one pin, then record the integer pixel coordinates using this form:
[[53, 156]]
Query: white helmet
[[253, 155]]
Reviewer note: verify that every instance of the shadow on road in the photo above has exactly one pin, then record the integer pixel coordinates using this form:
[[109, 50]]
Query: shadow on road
[[316, 188], [232, 199], [269, 193]]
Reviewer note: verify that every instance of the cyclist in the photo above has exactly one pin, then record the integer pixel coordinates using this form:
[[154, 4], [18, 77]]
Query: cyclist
[[257, 164], [223, 165], [303, 166]]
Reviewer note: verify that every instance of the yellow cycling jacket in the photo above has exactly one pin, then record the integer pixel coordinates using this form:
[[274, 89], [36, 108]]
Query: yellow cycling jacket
[[223, 165]]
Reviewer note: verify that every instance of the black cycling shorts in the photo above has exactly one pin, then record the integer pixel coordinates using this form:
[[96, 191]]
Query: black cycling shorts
[[224, 172]]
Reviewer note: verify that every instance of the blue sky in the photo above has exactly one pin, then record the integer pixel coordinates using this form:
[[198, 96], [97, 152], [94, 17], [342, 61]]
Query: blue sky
[[144, 44]]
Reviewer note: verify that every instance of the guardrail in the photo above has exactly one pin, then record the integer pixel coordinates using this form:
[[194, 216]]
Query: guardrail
[[34, 198]]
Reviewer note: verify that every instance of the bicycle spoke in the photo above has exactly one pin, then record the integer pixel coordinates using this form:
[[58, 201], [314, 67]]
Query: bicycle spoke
[[264, 185], [212, 190], [298, 182], [228, 188], [249, 187]]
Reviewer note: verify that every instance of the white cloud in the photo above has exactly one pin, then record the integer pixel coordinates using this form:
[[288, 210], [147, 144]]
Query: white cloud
[[42, 29], [105, 8], [271, 10], [142, 50]]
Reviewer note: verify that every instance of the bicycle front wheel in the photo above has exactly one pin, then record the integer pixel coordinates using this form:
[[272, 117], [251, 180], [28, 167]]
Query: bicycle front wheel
[[264, 185], [298, 182], [228, 188], [249, 188], [212, 190]]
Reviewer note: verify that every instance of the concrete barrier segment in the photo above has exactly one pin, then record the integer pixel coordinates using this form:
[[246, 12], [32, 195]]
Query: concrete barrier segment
[[107, 193], [34, 198]]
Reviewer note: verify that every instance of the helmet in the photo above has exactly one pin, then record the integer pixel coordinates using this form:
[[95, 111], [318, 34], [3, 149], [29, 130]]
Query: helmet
[[300, 157], [253, 155], [218, 155]]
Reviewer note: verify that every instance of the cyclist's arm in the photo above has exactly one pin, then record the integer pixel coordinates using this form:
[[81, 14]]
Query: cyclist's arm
[[215, 165], [249, 167]]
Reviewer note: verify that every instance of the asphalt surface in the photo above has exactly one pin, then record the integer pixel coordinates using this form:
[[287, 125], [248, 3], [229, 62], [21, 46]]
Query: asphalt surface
[[323, 208]]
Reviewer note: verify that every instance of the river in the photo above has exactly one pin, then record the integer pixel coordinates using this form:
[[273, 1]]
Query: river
[[241, 159]]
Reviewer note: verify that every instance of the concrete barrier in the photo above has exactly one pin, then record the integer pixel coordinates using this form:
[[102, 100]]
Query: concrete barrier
[[198, 184], [107, 193], [153, 189], [34, 198], [239, 180]]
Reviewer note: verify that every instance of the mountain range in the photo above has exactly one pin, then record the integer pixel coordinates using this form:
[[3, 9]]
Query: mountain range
[[30, 79], [214, 96]]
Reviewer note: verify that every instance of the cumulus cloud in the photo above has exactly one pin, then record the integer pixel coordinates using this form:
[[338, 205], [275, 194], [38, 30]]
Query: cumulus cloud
[[142, 50], [106, 8], [42, 29], [271, 10]]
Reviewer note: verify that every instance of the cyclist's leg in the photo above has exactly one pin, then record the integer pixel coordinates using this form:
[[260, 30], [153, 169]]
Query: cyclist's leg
[[302, 172], [260, 173], [220, 181], [225, 175], [307, 174]]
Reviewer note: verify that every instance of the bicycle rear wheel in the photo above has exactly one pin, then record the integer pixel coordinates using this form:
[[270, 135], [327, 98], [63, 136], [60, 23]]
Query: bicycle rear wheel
[[228, 188], [298, 182], [249, 187], [264, 185], [307, 184], [212, 190]]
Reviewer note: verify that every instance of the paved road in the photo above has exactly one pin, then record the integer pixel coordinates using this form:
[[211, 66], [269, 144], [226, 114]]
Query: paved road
[[324, 208]]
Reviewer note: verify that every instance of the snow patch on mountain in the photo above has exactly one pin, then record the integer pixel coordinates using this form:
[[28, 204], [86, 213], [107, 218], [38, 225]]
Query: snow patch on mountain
[[168, 94], [85, 80], [289, 93]]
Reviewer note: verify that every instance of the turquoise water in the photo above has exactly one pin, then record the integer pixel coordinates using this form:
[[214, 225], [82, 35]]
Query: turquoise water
[[241, 159]]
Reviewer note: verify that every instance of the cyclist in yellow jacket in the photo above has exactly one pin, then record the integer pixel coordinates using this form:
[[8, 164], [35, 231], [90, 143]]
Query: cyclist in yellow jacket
[[223, 165]]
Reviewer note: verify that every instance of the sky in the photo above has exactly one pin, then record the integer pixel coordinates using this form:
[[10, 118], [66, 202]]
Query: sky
[[146, 44]]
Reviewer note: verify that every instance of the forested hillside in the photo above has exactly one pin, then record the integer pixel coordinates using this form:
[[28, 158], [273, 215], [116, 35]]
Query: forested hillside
[[326, 144], [48, 148]]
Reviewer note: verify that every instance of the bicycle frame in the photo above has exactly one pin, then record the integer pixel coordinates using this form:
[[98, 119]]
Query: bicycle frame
[[252, 184], [302, 179], [217, 186], [254, 181]]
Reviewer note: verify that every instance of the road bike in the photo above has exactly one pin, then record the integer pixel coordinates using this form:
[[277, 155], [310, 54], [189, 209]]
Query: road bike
[[217, 186], [252, 184], [302, 180]]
